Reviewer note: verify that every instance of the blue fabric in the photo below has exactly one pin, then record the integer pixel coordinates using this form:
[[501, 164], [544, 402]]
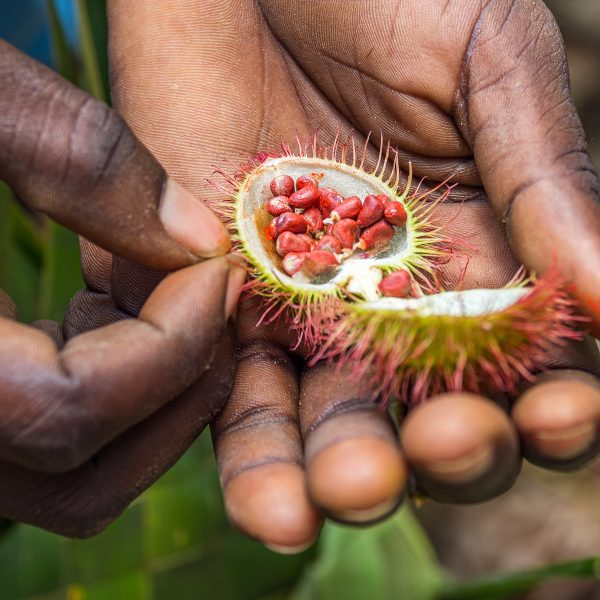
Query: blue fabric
[[24, 23]]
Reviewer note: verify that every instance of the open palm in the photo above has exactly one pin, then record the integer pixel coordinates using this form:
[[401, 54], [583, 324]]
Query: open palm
[[476, 90]]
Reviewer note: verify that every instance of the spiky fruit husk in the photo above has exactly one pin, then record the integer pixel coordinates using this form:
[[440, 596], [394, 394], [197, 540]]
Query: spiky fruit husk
[[474, 340], [341, 166]]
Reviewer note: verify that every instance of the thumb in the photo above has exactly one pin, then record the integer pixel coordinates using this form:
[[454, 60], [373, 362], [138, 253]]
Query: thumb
[[72, 157], [516, 112]]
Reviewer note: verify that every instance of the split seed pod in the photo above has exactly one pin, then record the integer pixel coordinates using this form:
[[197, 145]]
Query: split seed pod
[[410, 347]]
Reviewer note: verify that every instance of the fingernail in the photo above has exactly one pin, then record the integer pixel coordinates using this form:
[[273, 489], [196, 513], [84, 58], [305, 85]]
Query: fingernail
[[563, 444], [359, 479], [291, 549], [235, 282], [368, 515], [189, 222], [463, 469]]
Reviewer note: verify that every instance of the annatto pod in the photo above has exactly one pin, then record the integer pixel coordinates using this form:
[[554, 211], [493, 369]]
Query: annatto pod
[[481, 340], [428, 342]]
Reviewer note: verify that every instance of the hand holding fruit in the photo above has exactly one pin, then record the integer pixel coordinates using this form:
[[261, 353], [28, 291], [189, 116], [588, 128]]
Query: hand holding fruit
[[469, 89], [84, 406]]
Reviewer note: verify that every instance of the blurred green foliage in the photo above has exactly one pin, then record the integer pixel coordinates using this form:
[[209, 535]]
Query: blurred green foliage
[[175, 540]]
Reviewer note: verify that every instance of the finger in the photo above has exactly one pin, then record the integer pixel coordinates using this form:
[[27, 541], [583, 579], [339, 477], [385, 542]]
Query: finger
[[60, 407], [90, 310], [84, 501], [259, 452], [355, 471], [462, 448], [96, 266], [558, 420], [75, 159], [517, 114]]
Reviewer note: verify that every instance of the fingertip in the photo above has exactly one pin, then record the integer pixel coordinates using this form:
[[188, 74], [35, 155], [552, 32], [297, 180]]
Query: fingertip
[[357, 480], [191, 223], [462, 447], [558, 420], [270, 503]]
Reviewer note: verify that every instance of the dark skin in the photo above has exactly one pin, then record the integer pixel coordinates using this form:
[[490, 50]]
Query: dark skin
[[86, 405], [477, 90], [471, 89]]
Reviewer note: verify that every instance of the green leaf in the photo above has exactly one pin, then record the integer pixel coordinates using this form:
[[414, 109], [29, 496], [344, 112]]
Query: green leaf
[[132, 585], [173, 542], [96, 10], [93, 81], [388, 561], [28, 234], [21, 250], [61, 271], [29, 563], [6, 233], [117, 550], [63, 56]]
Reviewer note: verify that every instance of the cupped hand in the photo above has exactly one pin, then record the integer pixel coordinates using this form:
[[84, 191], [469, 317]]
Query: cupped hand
[[95, 410], [474, 90]]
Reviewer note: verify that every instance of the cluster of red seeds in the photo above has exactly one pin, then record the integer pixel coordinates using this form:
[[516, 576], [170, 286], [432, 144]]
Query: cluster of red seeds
[[314, 229]]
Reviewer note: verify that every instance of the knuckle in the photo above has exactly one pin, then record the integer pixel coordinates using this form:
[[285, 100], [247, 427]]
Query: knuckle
[[60, 457], [99, 145], [71, 141], [511, 38], [57, 143], [60, 438], [52, 452]]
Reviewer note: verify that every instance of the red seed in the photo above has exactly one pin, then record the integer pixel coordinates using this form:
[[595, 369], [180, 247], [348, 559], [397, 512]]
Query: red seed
[[278, 205], [305, 180], [376, 235], [346, 231], [329, 229], [384, 199], [271, 230], [305, 197], [311, 243], [328, 243], [291, 222], [396, 285], [282, 185], [314, 219], [329, 200], [319, 263], [372, 211], [293, 262], [348, 209], [395, 214], [290, 242]]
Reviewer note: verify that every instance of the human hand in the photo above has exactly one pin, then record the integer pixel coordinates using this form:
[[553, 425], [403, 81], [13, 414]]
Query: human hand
[[476, 91], [94, 411]]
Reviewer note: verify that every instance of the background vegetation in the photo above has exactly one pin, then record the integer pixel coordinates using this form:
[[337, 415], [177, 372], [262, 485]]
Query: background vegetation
[[175, 542]]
